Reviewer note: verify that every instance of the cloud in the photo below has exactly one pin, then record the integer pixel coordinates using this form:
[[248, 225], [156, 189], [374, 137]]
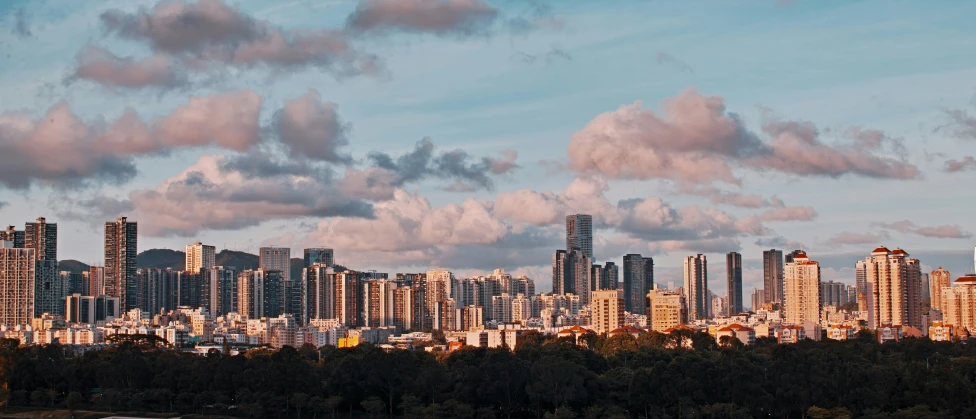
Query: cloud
[[3, 204], [389, 172], [966, 164], [209, 34], [664, 58], [804, 213], [695, 141], [311, 128], [554, 54], [735, 199], [102, 67], [858, 238], [61, 150], [21, 25], [961, 124], [439, 17], [942, 231], [779, 242], [537, 15], [207, 196]]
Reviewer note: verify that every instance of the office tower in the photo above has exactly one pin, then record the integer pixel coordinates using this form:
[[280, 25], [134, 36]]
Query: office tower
[[188, 289], [597, 275], [74, 282], [959, 303], [319, 255], [49, 290], [790, 256], [801, 294], [43, 238], [404, 314], [773, 275], [579, 233], [852, 294], [733, 280], [378, 302], [559, 272], [648, 279], [96, 280], [348, 298], [634, 282], [938, 280], [251, 293], [200, 257], [318, 292], [219, 290], [17, 289], [665, 309], [121, 249], [13, 236], [276, 259], [107, 307], [607, 310], [696, 287], [611, 277], [758, 298], [582, 282], [861, 277], [833, 293], [894, 283]]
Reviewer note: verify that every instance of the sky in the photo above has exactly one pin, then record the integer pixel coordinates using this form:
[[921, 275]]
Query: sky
[[415, 134]]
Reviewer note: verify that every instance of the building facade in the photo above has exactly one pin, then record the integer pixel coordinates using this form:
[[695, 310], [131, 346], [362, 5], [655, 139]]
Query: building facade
[[17, 287], [801, 293], [733, 280], [634, 282], [579, 233], [773, 275], [607, 311], [938, 280], [696, 286], [200, 257], [276, 259], [319, 255], [121, 249]]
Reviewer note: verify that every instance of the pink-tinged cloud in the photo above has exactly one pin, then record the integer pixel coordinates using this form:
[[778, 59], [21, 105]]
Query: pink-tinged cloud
[[311, 128], [103, 67], [799, 213], [965, 164], [229, 120], [440, 17], [858, 238], [944, 231], [695, 141]]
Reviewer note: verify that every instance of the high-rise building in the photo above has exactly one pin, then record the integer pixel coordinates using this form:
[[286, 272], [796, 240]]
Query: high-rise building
[[607, 311], [320, 255], [773, 275], [733, 279], [348, 288], [441, 285], [261, 293], [635, 282], [833, 293], [611, 277], [959, 303], [861, 277], [758, 298], [789, 256], [938, 280], [522, 285], [579, 233], [502, 308], [219, 290], [648, 277], [276, 259], [17, 288], [200, 257], [16, 238], [801, 294], [894, 283], [378, 301], [121, 249], [696, 286], [521, 308], [571, 273], [49, 289], [561, 272], [404, 312], [96, 280], [43, 238], [665, 309]]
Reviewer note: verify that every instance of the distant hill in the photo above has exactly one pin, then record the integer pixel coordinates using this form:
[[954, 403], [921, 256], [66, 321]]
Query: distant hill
[[239, 260], [162, 258], [72, 266]]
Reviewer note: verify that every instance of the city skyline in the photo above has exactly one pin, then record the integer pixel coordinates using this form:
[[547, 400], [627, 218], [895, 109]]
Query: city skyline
[[445, 182]]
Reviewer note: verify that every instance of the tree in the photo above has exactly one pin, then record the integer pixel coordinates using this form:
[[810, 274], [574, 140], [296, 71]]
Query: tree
[[815, 412], [374, 406], [299, 400], [332, 405], [74, 400]]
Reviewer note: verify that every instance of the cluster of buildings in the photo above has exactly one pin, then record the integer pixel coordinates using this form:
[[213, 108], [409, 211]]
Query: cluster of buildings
[[205, 305]]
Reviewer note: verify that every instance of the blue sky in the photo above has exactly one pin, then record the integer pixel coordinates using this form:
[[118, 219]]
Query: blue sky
[[897, 67]]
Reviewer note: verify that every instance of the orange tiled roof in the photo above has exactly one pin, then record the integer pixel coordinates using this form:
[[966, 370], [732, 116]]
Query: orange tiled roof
[[881, 249]]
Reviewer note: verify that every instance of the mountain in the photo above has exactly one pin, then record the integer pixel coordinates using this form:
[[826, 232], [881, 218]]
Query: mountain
[[239, 260], [162, 258], [72, 266]]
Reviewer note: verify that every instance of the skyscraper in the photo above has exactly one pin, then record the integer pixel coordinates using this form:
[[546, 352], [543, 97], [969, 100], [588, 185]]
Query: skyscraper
[[648, 275], [789, 256], [571, 273], [319, 255], [801, 295], [773, 275], [50, 291], [276, 259], [696, 286], [13, 236], [379, 295], [579, 233], [348, 298], [16, 284], [219, 290], [733, 269], [121, 249], [560, 273], [43, 238], [894, 284], [318, 292], [938, 279], [635, 283], [611, 277], [861, 277], [200, 257]]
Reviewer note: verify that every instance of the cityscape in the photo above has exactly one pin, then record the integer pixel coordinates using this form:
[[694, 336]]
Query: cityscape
[[483, 209]]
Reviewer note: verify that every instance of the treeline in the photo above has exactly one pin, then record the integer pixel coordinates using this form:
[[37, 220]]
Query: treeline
[[620, 377]]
